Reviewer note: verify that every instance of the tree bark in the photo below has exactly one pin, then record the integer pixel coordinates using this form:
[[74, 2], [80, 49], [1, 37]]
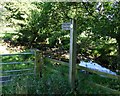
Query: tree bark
[[118, 57]]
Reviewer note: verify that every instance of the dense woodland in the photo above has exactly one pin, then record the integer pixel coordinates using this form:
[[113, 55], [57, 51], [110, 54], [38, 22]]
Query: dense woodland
[[38, 25]]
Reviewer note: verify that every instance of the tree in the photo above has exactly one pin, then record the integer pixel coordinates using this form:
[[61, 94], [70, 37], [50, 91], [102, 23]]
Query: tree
[[108, 23], [97, 25]]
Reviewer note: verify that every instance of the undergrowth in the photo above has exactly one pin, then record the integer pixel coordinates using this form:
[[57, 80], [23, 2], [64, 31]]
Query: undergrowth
[[54, 80]]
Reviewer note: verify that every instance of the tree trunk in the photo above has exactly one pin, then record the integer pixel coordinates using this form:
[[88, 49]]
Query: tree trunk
[[118, 42], [118, 57]]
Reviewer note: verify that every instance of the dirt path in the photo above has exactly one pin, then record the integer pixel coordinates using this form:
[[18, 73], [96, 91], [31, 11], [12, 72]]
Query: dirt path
[[3, 49]]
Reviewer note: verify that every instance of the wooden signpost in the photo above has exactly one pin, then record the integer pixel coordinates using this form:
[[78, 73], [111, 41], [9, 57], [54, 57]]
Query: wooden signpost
[[72, 60]]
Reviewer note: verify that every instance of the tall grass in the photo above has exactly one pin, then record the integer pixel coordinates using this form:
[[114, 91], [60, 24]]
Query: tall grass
[[55, 81]]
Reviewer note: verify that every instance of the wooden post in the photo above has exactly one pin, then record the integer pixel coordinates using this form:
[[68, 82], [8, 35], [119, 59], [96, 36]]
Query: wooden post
[[38, 63], [72, 59]]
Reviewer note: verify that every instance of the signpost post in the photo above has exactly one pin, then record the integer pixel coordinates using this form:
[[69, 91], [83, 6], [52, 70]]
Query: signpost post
[[72, 60]]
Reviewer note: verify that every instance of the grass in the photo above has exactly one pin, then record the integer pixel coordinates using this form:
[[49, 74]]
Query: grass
[[55, 81]]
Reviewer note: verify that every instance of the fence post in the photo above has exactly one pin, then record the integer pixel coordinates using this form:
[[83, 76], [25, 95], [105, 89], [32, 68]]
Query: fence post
[[38, 63], [72, 59]]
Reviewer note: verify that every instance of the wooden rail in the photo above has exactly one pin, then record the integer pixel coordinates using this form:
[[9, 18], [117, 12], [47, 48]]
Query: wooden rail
[[98, 72], [86, 69], [92, 71], [57, 61], [39, 62]]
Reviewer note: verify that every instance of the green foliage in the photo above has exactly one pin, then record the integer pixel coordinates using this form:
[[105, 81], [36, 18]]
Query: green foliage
[[40, 25], [17, 12], [55, 81]]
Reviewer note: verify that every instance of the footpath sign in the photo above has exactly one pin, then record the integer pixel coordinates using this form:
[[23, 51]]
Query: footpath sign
[[66, 26], [72, 60]]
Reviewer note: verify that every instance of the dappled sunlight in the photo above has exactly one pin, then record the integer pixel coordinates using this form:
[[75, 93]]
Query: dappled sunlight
[[38, 39], [6, 48]]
